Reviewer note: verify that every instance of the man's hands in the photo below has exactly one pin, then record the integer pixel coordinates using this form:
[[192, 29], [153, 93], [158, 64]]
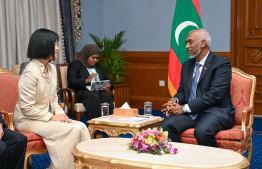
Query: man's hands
[[1, 132], [171, 107], [61, 117]]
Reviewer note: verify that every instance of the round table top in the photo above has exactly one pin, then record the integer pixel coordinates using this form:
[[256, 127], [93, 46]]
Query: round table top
[[189, 155]]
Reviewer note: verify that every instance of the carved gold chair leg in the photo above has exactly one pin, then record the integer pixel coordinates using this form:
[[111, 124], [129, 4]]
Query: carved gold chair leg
[[29, 159], [250, 152], [29, 163]]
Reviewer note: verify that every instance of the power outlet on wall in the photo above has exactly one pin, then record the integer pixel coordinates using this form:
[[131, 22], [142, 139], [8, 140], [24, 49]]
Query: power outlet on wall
[[161, 83]]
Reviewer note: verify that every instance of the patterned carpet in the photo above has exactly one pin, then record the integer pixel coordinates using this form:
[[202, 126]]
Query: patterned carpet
[[43, 161]]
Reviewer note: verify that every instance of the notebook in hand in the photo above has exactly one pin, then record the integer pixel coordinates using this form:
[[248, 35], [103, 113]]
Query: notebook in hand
[[98, 85]]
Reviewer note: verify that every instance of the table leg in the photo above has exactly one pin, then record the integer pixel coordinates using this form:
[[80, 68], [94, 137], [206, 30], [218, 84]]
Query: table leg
[[91, 132]]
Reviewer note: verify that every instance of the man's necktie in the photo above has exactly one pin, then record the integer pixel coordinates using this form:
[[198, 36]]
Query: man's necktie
[[192, 94]]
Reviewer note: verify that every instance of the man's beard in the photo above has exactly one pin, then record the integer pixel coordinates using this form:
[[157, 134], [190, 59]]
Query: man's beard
[[193, 56]]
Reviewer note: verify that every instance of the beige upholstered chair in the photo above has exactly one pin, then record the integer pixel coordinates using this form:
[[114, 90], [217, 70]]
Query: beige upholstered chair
[[73, 108], [16, 69]]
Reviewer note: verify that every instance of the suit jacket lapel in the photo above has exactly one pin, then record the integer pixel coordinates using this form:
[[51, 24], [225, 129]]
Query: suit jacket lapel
[[206, 65], [190, 73], [85, 71]]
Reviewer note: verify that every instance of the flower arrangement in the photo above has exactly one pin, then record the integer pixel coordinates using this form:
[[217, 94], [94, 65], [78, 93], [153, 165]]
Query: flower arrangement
[[152, 141]]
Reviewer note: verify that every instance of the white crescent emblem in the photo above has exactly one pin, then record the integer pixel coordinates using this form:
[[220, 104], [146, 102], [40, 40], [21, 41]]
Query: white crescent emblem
[[182, 26]]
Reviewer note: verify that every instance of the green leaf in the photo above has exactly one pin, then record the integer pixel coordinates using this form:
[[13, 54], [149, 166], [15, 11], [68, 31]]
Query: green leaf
[[112, 59]]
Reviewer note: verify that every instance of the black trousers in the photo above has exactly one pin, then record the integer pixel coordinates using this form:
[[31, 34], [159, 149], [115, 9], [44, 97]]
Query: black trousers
[[12, 150], [92, 102], [206, 125]]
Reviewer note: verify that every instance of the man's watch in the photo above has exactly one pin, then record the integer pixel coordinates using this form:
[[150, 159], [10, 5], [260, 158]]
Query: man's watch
[[2, 124]]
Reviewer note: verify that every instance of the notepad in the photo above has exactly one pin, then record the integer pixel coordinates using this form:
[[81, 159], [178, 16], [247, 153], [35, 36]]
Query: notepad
[[96, 86], [132, 119]]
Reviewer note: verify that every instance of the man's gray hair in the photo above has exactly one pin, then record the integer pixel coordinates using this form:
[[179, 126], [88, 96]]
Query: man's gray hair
[[204, 35]]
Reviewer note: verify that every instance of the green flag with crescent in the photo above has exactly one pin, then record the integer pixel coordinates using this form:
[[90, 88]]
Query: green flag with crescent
[[187, 17]]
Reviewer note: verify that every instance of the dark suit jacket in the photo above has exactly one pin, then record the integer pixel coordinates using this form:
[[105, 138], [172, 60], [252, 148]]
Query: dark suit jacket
[[22, 67], [213, 90], [77, 74]]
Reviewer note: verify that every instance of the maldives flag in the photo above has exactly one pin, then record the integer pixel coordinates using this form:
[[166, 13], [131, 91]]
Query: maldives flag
[[187, 17]]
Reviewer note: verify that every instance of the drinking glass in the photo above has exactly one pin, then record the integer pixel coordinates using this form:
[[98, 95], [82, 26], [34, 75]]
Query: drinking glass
[[147, 108], [105, 109]]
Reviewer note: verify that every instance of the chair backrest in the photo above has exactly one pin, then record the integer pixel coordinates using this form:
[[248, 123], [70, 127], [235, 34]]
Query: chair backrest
[[16, 69], [8, 90], [62, 74], [242, 93]]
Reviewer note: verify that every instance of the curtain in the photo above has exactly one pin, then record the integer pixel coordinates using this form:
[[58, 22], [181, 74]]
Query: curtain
[[18, 20], [67, 16]]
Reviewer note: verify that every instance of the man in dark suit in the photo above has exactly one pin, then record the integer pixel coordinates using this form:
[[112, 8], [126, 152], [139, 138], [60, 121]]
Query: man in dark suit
[[12, 147], [203, 100]]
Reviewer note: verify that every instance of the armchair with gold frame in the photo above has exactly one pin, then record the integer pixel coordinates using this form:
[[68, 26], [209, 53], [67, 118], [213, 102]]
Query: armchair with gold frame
[[8, 99], [238, 138]]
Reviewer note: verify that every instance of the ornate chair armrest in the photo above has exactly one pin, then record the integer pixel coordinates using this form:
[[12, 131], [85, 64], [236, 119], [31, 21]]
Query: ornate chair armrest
[[243, 122], [9, 117], [245, 112], [65, 93], [72, 94]]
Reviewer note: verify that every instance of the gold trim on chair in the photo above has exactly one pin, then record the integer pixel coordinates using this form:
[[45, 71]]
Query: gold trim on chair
[[32, 152], [248, 110], [10, 121], [4, 70]]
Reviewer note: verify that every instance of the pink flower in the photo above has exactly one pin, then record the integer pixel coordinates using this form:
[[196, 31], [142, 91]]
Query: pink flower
[[153, 141], [174, 150], [140, 136]]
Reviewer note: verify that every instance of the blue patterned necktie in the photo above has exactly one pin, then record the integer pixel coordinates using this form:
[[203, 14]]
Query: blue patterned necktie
[[192, 94]]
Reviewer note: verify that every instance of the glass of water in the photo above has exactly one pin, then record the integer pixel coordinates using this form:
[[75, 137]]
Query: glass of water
[[105, 109], [147, 108]]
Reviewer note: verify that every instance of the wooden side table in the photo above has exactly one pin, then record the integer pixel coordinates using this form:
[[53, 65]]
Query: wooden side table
[[112, 153], [114, 128]]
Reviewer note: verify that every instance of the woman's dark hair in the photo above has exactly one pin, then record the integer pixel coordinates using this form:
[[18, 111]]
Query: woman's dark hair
[[42, 44]]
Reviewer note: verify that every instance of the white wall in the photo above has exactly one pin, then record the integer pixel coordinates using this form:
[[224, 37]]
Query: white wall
[[148, 22]]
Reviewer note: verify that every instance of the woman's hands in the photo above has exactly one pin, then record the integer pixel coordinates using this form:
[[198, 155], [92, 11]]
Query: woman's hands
[[88, 80], [107, 87], [61, 117]]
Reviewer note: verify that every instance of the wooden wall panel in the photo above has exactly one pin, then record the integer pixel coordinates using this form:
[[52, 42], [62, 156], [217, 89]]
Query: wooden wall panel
[[246, 42], [122, 94], [145, 71]]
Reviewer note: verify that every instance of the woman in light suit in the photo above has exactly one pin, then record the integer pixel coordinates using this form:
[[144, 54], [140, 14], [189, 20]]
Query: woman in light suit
[[37, 108]]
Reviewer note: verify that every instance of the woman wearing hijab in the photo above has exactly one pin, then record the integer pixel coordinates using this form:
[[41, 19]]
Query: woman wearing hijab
[[81, 72], [37, 108]]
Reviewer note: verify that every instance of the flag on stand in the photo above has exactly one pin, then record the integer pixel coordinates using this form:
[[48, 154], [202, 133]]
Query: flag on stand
[[187, 17]]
